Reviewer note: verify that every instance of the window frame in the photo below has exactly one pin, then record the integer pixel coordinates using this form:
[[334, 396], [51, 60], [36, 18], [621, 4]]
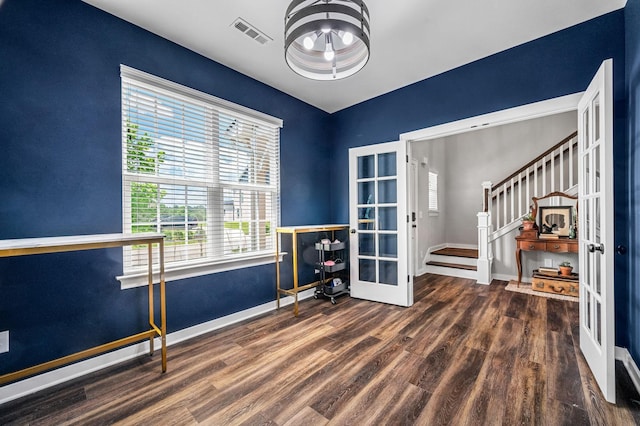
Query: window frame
[[134, 277], [433, 191]]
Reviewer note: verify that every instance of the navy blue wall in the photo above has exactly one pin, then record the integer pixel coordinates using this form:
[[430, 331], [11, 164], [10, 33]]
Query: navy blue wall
[[556, 65], [60, 162], [632, 29], [60, 174]]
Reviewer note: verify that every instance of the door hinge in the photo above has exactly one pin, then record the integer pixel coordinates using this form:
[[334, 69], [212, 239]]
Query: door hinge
[[407, 218], [408, 278], [407, 158]]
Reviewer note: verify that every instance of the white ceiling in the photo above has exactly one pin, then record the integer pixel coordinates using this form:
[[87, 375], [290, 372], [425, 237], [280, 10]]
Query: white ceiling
[[410, 39]]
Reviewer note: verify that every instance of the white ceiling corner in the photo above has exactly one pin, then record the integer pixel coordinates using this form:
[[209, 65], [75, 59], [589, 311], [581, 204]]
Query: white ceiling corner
[[410, 39]]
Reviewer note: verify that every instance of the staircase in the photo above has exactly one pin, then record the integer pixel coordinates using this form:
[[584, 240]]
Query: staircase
[[456, 262], [554, 170], [504, 204]]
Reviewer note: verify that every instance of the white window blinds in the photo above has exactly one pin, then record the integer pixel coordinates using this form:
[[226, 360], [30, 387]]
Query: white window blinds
[[199, 169], [433, 191]]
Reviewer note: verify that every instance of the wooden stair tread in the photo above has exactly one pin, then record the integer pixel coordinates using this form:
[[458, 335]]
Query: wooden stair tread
[[457, 252], [453, 265]]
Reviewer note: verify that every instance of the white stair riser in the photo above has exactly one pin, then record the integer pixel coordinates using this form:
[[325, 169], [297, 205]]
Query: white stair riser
[[452, 272]]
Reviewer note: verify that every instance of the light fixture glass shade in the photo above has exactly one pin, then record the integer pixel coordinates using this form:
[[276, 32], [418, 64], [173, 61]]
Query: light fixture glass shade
[[326, 39]]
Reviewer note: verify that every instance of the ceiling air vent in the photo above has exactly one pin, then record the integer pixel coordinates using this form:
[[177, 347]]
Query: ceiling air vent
[[248, 29]]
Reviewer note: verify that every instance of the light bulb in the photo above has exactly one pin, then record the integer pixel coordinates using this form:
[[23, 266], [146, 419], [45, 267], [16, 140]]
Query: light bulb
[[347, 38], [326, 30], [329, 54], [308, 43]]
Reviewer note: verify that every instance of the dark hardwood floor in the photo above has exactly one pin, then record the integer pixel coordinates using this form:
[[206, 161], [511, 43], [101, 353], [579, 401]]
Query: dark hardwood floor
[[463, 354]]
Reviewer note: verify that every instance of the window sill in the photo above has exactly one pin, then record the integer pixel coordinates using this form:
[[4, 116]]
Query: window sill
[[179, 272]]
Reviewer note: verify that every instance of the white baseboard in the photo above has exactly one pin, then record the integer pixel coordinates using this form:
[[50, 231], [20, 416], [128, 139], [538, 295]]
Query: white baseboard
[[622, 354], [64, 374], [421, 271], [436, 247], [462, 246], [452, 272]]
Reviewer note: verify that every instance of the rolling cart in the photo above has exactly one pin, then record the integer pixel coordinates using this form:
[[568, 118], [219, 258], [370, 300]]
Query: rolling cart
[[332, 268]]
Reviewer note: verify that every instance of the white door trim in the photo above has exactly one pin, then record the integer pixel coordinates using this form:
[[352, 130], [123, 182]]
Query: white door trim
[[498, 118]]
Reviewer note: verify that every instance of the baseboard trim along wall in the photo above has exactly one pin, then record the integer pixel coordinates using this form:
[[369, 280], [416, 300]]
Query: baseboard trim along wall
[[622, 354], [46, 380]]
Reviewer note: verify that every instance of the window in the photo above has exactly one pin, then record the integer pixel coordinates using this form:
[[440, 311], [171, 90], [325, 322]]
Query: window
[[433, 192], [202, 171]]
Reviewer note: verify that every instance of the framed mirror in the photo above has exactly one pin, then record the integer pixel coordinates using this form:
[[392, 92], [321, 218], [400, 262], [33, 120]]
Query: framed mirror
[[556, 213]]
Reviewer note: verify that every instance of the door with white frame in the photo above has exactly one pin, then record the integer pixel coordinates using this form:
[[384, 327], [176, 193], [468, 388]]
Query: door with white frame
[[595, 224], [379, 224]]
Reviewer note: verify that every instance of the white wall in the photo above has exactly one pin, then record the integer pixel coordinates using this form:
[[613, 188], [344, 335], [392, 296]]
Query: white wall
[[431, 227], [491, 155]]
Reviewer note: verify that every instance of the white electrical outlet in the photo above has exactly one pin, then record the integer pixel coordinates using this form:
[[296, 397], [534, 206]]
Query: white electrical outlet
[[548, 263], [4, 341]]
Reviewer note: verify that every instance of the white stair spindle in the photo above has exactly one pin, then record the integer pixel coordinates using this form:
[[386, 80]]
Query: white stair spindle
[[497, 210], [570, 163], [504, 202], [513, 196], [552, 172], [535, 180], [528, 190], [544, 175], [520, 214], [562, 188]]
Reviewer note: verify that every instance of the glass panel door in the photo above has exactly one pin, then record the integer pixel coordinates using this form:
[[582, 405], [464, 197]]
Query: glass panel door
[[377, 216], [595, 180]]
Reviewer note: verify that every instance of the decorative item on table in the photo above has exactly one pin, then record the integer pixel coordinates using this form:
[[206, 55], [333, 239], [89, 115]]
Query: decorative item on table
[[543, 270], [565, 268], [556, 220], [547, 236], [528, 221]]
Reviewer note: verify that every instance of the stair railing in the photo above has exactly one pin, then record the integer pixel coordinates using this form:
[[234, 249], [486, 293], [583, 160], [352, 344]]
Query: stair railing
[[556, 169], [505, 203]]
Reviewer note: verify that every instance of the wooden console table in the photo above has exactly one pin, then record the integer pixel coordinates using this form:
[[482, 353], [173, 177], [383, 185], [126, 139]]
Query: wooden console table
[[28, 246], [560, 245]]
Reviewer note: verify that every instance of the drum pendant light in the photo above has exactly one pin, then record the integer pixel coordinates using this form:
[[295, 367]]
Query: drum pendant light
[[326, 39]]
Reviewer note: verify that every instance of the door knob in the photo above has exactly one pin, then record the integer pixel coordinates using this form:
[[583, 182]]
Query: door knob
[[621, 249], [596, 247]]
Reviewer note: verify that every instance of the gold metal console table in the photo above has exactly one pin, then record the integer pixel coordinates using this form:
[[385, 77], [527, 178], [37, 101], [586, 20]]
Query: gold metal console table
[[294, 231], [28, 246]]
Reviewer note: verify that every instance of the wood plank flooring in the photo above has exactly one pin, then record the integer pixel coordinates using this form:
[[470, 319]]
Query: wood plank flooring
[[457, 252], [464, 354]]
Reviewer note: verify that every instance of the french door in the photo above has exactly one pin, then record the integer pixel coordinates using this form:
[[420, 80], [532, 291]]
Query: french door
[[379, 224], [595, 171]]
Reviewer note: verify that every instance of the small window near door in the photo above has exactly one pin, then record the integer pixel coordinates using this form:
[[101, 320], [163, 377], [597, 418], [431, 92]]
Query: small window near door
[[433, 192]]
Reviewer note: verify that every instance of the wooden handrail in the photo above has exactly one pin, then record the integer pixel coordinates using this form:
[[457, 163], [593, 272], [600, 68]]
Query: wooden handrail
[[538, 158]]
